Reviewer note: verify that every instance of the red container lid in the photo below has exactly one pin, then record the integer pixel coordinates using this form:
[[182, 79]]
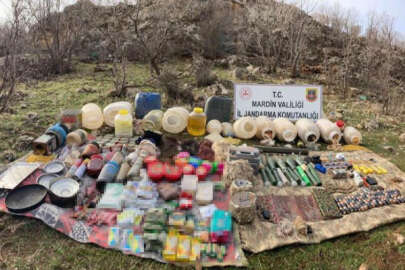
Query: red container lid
[[202, 173], [172, 173], [155, 171], [340, 123]]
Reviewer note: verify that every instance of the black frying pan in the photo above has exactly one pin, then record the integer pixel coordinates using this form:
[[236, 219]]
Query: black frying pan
[[25, 198]]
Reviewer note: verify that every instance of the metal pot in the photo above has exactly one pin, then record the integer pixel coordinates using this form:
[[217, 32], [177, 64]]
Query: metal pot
[[63, 192]]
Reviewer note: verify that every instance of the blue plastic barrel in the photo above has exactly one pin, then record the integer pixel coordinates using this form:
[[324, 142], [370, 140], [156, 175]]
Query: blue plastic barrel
[[61, 130], [145, 102]]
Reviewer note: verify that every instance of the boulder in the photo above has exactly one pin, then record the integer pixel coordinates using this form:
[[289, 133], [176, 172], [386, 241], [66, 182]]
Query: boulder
[[32, 116], [372, 125], [288, 81], [23, 143], [86, 90], [8, 155], [132, 91], [237, 61], [226, 83], [399, 239], [222, 63], [402, 138], [240, 73]]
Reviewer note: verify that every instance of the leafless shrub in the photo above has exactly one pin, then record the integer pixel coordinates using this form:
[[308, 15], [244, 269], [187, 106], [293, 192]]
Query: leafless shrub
[[56, 34], [203, 71], [214, 29], [12, 42], [169, 82], [152, 28], [114, 31]]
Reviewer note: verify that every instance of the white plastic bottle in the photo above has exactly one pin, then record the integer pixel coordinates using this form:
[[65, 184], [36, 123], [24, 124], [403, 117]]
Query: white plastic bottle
[[265, 128], [308, 131], [330, 132], [245, 128], [352, 136], [123, 124], [285, 130]]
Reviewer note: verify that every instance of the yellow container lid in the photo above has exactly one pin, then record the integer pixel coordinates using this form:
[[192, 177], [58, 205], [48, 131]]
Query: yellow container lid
[[198, 110], [123, 112]]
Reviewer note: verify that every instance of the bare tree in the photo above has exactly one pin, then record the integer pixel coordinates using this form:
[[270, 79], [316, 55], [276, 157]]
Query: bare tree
[[345, 31], [268, 24], [111, 22], [298, 32], [13, 44], [153, 27], [56, 33]]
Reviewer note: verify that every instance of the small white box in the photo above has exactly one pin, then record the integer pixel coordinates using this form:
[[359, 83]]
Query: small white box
[[189, 183], [205, 193]]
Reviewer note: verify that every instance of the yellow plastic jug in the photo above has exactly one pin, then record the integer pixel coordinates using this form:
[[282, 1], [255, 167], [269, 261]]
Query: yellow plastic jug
[[123, 124], [196, 122]]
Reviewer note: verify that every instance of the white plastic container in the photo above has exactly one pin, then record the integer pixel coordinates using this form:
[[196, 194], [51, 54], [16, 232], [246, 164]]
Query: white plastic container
[[329, 131], [245, 128], [189, 183], [175, 120], [153, 120], [123, 124], [112, 110], [214, 126], [352, 136], [265, 128], [92, 116], [308, 131], [227, 129], [205, 193], [285, 130]]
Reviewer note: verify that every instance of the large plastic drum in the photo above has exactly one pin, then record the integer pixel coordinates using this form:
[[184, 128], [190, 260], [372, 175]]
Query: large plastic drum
[[145, 102]]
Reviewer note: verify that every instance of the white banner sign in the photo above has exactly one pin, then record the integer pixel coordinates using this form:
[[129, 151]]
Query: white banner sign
[[278, 101]]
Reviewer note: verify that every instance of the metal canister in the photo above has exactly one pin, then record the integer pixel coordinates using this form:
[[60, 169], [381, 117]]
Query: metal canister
[[77, 137], [45, 144], [91, 148]]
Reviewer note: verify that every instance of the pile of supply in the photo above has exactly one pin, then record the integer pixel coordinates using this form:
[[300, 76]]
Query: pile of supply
[[179, 197]]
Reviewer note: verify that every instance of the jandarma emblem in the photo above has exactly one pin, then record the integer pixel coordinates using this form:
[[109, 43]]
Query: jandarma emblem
[[311, 94]]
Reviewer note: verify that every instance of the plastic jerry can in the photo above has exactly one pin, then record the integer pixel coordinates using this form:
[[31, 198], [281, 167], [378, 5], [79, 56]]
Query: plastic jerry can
[[285, 130], [153, 120], [112, 110], [123, 124], [308, 131], [219, 108], [196, 122], [145, 102], [245, 128], [175, 120], [352, 136], [330, 132], [265, 128], [92, 116]]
